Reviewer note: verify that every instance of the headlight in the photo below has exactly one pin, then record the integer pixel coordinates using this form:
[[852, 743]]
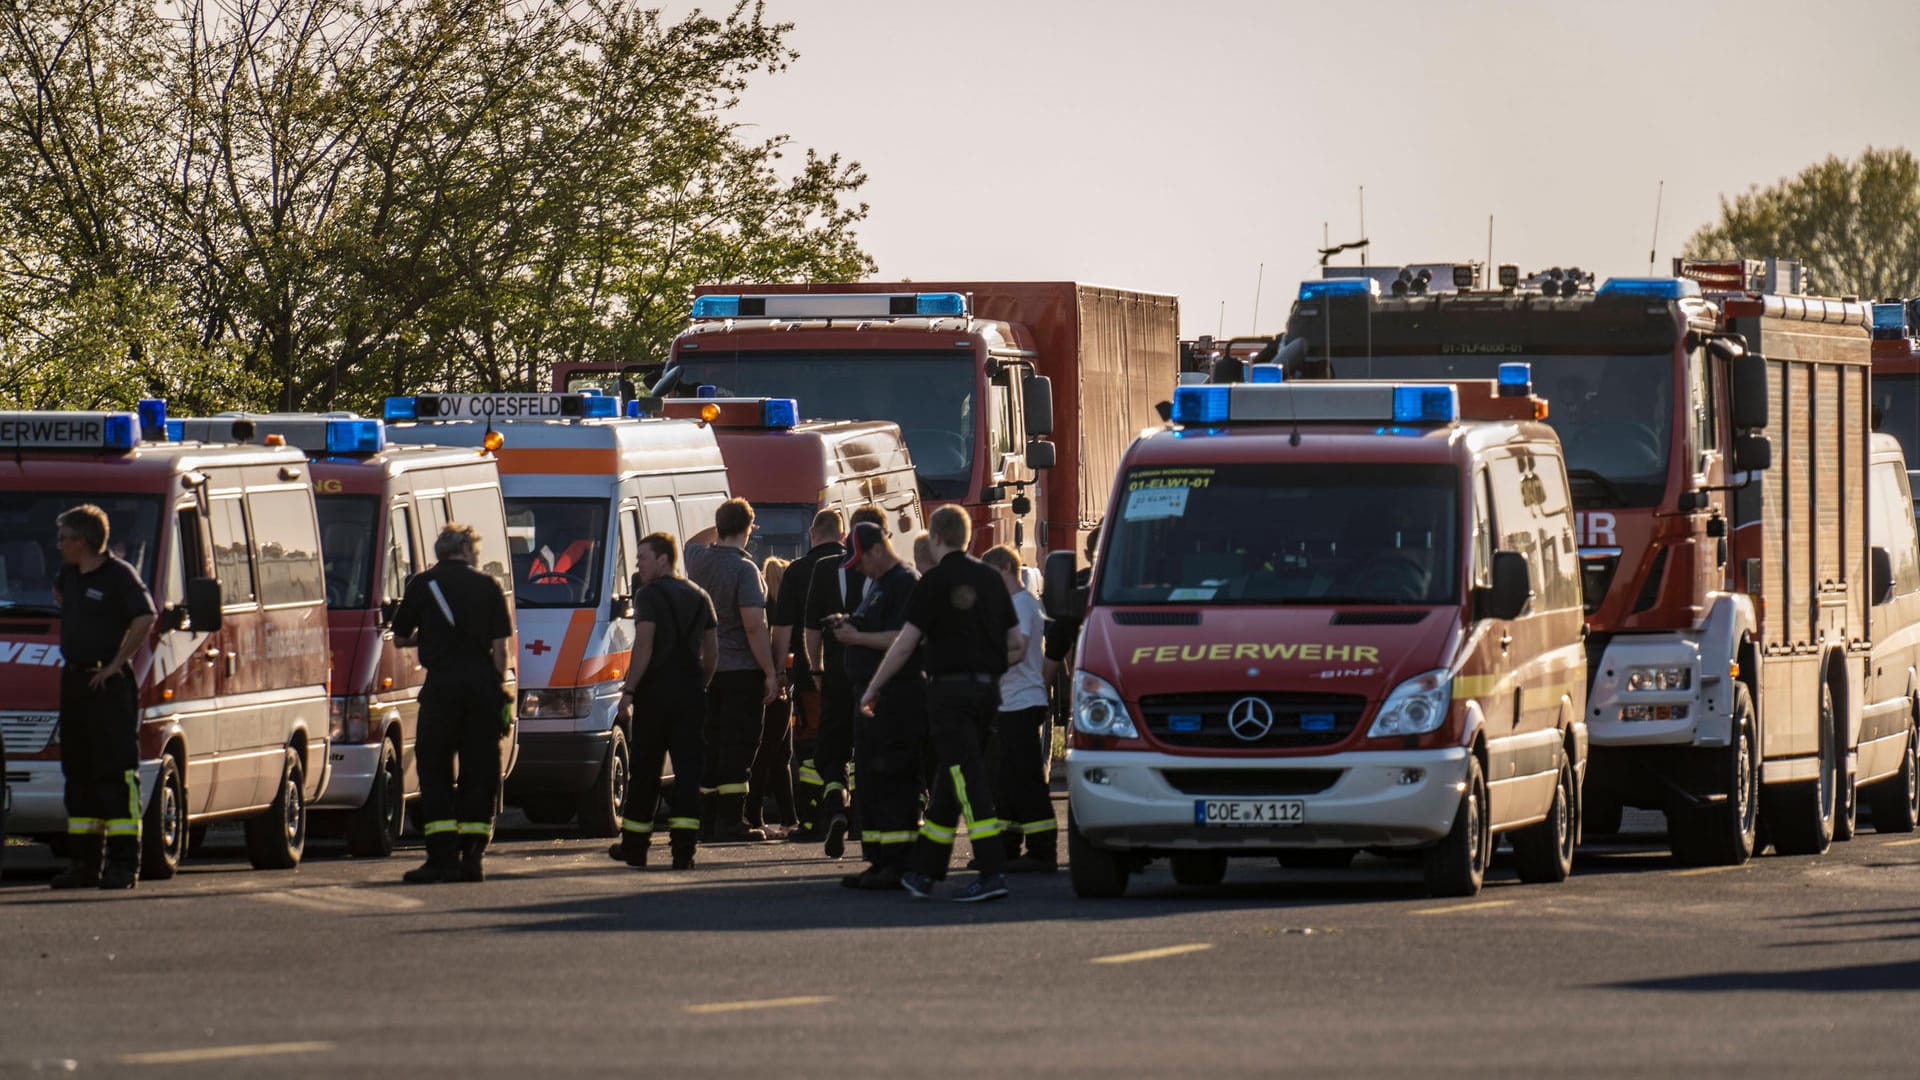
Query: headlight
[[1098, 710], [347, 718], [556, 703], [1415, 707], [1659, 678]]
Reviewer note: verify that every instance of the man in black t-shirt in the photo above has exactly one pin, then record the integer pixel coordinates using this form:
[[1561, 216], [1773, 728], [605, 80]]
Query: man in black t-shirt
[[962, 612], [458, 617], [838, 587], [676, 647], [790, 617], [105, 615]]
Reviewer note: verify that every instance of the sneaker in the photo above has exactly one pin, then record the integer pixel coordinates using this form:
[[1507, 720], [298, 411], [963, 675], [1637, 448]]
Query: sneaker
[[835, 845], [1032, 864], [920, 885], [983, 888]]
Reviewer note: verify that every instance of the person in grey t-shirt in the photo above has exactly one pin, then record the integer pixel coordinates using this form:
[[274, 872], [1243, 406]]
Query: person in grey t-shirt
[[745, 679]]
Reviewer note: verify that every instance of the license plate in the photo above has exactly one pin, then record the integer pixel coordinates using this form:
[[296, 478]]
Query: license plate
[[1249, 812]]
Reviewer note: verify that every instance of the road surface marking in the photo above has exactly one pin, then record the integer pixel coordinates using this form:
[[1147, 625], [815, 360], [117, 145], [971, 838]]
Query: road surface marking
[[1150, 954], [221, 1053], [763, 1003], [1480, 905], [339, 898], [1698, 870], [301, 900], [1899, 843]]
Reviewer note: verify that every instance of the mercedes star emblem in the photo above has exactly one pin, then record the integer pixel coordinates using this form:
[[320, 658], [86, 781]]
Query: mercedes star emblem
[[1250, 719]]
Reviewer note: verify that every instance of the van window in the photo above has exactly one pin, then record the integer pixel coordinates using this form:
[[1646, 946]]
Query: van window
[[1531, 516], [346, 546], [780, 529], [558, 550], [288, 547], [658, 516], [696, 512], [480, 509], [403, 559], [232, 565], [435, 509], [1892, 526], [1482, 531]]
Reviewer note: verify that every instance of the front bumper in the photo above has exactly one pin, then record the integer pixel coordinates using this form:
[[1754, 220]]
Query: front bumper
[[350, 780], [1138, 807], [557, 762], [40, 800]]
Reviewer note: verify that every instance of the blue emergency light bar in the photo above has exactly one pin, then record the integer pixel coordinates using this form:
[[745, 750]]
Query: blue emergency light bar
[[1266, 373], [1889, 320], [401, 408], [599, 407], [1316, 402], [779, 413], [872, 305], [1650, 288], [1515, 379], [176, 431], [356, 436], [497, 407], [153, 416], [1425, 405], [69, 430], [1353, 286], [1200, 404], [706, 390], [716, 307], [940, 303]]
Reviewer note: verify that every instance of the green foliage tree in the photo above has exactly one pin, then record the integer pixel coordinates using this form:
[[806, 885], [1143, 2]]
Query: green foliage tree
[[312, 203], [1855, 224]]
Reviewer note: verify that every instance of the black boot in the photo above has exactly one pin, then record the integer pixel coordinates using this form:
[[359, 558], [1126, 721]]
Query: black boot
[[1042, 855], [730, 825], [631, 849], [83, 866], [684, 843], [443, 861], [123, 862], [473, 850]]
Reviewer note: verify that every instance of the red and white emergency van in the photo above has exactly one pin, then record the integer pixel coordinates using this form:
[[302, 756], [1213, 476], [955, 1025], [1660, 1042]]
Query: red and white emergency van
[[233, 684], [1326, 617], [581, 487]]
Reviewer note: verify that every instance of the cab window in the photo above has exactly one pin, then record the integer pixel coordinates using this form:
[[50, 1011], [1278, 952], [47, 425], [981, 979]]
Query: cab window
[[232, 562], [1482, 531], [402, 560], [1531, 517], [287, 547], [1700, 405], [1892, 526]]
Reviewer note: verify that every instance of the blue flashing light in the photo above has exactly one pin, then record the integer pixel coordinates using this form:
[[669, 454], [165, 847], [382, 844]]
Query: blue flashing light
[[1266, 373], [176, 431], [1425, 405], [706, 390], [598, 407], [121, 431], [1890, 320], [716, 307], [1200, 404], [1353, 286], [633, 410], [779, 412], [153, 415], [939, 303], [356, 436], [1651, 288], [1516, 379], [401, 408]]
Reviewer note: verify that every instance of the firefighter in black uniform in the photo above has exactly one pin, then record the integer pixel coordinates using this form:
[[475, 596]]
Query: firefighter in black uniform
[[892, 731], [676, 647], [790, 617], [837, 589], [962, 611], [105, 614], [458, 617]]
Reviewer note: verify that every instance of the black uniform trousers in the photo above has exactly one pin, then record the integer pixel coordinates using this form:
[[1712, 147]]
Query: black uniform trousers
[[100, 757], [460, 719], [733, 735], [665, 722], [960, 713], [890, 753], [772, 774], [1026, 803], [833, 747]]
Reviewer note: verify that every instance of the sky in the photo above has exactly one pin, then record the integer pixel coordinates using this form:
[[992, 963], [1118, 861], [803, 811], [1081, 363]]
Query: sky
[[1179, 147]]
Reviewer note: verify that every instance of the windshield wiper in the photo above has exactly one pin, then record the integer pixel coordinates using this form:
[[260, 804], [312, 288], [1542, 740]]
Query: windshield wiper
[[1611, 489]]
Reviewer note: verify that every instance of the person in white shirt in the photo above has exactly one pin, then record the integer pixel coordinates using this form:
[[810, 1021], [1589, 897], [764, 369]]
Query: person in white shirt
[[1024, 736]]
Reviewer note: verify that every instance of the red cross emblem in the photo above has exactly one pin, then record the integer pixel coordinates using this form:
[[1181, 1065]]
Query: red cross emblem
[[539, 648]]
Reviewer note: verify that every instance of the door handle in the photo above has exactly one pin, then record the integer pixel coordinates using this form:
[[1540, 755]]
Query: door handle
[[1506, 639]]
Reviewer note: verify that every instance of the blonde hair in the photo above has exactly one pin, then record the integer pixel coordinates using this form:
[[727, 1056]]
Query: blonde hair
[[772, 571], [1003, 558], [951, 526]]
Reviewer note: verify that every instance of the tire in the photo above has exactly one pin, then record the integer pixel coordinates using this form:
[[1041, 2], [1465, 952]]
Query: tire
[[277, 838], [1724, 833], [374, 829], [163, 828], [600, 803], [1199, 867], [1846, 805], [1318, 858], [1543, 853], [1895, 801], [1800, 817], [1095, 873], [1457, 865]]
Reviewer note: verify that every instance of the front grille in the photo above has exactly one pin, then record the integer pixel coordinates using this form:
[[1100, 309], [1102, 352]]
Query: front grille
[[27, 733], [1156, 618], [1402, 617], [20, 628], [1251, 781], [1300, 720]]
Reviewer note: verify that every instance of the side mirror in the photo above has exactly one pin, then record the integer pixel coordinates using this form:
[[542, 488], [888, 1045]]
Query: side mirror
[[1041, 455], [1747, 392], [1164, 409], [388, 609], [1752, 453], [620, 607], [1036, 399], [1061, 598], [993, 493], [203, 604], [1882, 576], [1512, 587], [175, 617]]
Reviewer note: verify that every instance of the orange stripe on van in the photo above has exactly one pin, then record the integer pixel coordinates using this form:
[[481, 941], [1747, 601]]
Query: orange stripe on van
[[534, 460], [566, 665]]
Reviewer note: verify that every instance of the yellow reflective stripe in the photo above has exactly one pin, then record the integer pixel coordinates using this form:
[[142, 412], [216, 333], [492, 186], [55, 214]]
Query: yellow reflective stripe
[[980, 830], [133, 795], [830, 789], [904, 836], [123, 827], [683, 823], [960, 791], [632, 826], [476, 828], [708, 790], [731, 789], [435, 828], [936, 833], [1032, 827], [810, 775], [85, 826]]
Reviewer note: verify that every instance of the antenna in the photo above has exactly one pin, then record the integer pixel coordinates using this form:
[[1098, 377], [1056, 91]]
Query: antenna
[[1259, 282], [1652, 250], [1490, 248], [1220, 328], [1366, 254]]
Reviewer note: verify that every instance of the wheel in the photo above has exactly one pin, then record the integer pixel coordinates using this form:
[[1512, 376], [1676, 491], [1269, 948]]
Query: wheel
[[1095, 872], [278, 837], [600, 803], [375, 828], [1199, 867], [1317, 858], [1895, 801], [548, 809], [1543, 853], [1846, 804], [1724, 833], [1800, 816], [1458, 864], [163, 828]]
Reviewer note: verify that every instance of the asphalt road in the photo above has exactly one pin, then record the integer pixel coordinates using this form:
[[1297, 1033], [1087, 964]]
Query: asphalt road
[[758, 963]]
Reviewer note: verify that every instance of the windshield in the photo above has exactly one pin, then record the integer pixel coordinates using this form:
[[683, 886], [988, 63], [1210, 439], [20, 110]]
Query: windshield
[[779, 529], [559, 547], [1613, 413], [1284, 534], [346, 546], [930, 395], [1896, 409], [28, 558]]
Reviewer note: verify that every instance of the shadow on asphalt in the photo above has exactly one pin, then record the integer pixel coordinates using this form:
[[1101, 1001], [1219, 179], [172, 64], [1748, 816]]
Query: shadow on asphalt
[[1853, 978]]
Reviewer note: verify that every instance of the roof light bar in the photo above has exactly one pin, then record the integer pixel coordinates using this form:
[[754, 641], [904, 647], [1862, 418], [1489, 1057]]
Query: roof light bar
[[1515, 379], [1266, 373], [153, 417], [716, 307], [1201, 404], [1354, 286], [1650, 288], [874, 305], [428, 407], [69, 430], [1425, 405], [1317, 402], [356, 436], [1889, 320], [779, 412]]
